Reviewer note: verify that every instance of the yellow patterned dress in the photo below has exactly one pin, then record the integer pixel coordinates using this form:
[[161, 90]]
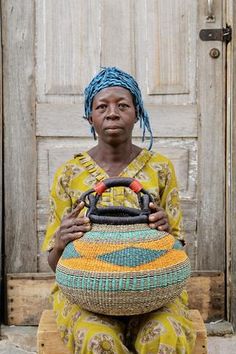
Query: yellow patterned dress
[[165, 331]]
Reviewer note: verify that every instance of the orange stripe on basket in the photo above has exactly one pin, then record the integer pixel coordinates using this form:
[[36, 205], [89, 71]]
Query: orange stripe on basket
[[94, 249], [172, 258]]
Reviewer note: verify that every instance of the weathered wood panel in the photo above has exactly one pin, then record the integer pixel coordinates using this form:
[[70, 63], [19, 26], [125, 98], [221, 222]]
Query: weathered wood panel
[[66, 120], [211, 179], [168, 35], [68, 47], [121, 55], [207, 293], [165, 35], [19, 136], [28, 296], [231, 167]]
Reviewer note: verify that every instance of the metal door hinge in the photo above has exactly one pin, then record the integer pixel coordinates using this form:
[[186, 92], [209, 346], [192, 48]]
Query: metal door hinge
[[216, 34]]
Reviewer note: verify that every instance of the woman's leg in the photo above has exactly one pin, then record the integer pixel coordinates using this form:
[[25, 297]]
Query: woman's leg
[[85, 332], [168, 330]]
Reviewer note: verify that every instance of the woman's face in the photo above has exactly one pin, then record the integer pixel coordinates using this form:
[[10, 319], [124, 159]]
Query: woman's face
[[113, 115]]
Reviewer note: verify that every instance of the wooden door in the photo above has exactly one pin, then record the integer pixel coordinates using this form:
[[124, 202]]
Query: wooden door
[[52, 48]]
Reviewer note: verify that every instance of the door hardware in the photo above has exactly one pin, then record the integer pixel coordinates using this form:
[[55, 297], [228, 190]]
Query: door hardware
[[216, 34]]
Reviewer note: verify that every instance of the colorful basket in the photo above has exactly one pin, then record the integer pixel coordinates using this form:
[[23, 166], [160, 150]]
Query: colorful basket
[[122, 266]]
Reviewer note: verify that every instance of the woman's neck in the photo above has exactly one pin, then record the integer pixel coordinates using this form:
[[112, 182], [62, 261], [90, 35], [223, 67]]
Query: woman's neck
[[113, 159]]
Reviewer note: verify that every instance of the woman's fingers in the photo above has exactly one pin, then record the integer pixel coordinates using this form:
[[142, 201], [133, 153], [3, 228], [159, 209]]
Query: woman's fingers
[[75, 212], [161, 225], [67, 223], [158, 219], [75, 228], [71, 237]]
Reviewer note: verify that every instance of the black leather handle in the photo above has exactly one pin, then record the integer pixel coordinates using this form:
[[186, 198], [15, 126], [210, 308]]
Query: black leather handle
[[120, 214]]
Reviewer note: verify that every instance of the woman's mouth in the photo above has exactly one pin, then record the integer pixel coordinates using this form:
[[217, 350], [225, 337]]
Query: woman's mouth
[[113, 128]]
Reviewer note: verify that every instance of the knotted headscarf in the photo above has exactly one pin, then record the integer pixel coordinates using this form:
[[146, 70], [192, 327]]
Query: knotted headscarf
[[112, 76]]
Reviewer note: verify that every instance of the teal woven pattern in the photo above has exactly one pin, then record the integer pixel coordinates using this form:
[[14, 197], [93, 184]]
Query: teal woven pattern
[[70, 252], [130, 281], [131, 256]]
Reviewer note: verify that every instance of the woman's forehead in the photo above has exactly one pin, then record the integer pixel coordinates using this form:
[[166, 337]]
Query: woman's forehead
[[113, 91]]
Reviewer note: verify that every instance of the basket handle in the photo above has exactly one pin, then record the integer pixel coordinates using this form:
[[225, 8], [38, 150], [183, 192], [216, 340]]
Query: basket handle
[[131, 183], [102, 186], [131, 215]]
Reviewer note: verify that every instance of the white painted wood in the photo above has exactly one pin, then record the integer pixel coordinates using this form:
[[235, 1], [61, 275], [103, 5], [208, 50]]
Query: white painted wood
[[168, 36], [73, 35], [19, 136], [211, 178], [166, 51], [66, 120], [231, 167], [118, 35], [68, 41]]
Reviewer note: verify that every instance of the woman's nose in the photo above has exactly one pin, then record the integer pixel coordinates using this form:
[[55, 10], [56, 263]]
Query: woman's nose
[[112, 112]]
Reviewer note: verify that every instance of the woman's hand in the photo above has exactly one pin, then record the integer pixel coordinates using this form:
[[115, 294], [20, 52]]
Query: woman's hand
[[72, 227], [158, 219]]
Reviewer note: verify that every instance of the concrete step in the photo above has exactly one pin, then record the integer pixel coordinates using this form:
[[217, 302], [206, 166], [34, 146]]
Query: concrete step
[[18, 339]]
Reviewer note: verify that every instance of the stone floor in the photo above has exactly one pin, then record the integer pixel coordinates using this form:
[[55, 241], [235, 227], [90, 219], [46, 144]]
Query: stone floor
[[22, 340]]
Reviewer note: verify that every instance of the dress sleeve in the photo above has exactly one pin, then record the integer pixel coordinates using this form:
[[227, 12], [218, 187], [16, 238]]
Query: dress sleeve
[[170, 201], [59, 205]]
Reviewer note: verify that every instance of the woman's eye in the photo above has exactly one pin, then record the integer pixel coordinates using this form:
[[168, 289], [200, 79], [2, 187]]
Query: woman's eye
[[123, 105], [101, 106]]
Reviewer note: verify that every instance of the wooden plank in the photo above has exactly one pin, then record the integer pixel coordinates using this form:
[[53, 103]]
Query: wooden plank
[[28, 293], [68, 47], [158, 36], [168, 37], [64, 120], [19, 136], [231, 165], [48, 337], [207, 294], [211, 182], [27, 296], [122, 55], [49, 341], [201, 338]]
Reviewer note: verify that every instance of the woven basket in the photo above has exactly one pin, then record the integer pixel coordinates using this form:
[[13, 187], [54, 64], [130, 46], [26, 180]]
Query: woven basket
[[122, 267]]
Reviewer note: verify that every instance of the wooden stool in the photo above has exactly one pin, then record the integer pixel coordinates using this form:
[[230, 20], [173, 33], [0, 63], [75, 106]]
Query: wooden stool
[[49, 341]]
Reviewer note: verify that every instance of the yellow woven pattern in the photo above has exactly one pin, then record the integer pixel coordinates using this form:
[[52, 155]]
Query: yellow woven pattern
[[173, 257]]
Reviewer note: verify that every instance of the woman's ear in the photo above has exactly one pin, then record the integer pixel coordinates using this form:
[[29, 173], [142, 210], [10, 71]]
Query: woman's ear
[[90, 120]]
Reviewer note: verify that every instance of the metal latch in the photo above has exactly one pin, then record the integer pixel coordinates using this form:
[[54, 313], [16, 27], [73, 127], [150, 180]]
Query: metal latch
[[218, 34]]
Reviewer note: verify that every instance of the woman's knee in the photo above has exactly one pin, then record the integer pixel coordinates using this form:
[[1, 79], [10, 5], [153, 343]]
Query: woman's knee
[[165, 334], [89, 340]]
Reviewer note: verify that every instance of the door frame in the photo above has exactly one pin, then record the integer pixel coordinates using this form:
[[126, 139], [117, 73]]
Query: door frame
[[231, 166]]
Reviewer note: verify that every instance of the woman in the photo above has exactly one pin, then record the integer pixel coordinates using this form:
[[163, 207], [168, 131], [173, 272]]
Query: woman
[[113, 104]]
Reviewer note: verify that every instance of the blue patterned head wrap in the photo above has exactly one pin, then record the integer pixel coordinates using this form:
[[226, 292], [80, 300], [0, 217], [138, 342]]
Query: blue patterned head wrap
[[112, 76]]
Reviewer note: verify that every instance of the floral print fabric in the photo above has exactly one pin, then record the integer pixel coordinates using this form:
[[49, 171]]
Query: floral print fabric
[[168, 330]]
